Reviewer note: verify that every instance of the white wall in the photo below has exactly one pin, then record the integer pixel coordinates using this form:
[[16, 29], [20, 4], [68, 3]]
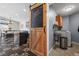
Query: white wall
[[23, 26], [16, 11], [15, 25]]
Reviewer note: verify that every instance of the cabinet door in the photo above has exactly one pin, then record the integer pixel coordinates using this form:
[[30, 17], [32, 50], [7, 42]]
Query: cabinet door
[[59, 20]]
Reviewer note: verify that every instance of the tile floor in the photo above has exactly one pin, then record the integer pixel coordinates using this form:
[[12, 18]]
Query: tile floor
[[24, 51], [17, 51], [71, 51], [10, 47]]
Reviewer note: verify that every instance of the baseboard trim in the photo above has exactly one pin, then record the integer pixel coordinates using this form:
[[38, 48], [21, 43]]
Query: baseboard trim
[[51, 52], [75, 43]]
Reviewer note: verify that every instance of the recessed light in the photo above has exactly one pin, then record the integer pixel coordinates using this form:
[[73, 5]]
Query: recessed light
[[16, 14], [24, 10], [69, 8]]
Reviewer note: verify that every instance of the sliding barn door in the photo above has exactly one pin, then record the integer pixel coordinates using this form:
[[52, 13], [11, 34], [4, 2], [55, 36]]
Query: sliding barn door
[[38, 29]]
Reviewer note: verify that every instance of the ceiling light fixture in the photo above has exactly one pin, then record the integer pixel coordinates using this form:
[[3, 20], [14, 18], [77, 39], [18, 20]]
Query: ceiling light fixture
[[69, 8], [24, 10]]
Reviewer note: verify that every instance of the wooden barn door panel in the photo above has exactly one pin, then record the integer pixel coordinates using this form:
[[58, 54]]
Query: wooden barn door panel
[[38, 37], [38, 41]]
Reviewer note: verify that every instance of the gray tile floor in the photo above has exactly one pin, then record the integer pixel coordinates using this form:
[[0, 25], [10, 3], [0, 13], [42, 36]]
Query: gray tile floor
[[10, 48], [16, 51]]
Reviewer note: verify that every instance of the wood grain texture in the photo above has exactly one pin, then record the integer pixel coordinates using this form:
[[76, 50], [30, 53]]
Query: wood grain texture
[[59, 20], [38, 38]]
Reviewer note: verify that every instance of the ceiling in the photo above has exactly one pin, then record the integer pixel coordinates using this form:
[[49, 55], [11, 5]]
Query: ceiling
[[65, 9], [15, 11]]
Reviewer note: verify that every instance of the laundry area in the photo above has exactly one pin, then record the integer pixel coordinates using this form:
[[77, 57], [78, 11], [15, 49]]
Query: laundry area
[[65, 29]]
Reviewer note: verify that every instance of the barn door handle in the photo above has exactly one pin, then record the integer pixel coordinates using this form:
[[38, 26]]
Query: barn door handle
[[44, 28]]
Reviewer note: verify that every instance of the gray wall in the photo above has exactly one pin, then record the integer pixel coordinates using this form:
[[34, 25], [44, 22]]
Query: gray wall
[[71, 23], [65, 22], [51, 21], [74, 23]]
